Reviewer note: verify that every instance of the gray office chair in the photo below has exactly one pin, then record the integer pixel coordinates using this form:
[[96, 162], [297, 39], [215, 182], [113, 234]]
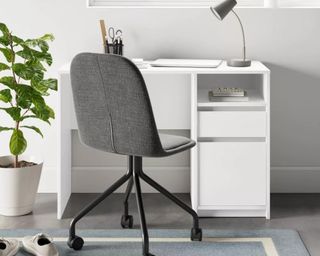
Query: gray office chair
[[114, 115]]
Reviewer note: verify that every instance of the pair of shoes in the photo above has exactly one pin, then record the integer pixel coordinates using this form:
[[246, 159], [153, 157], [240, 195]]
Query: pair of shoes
[[38, 245]]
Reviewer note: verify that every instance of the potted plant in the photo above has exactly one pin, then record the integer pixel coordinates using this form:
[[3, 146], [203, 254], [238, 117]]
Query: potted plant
[[23, 89]]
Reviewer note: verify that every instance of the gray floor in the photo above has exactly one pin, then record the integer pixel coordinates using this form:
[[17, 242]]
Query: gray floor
[[292, 211]]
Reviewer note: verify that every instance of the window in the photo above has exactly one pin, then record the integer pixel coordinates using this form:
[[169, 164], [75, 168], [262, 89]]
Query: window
[[168, 3], [299, 3], [202, 3]]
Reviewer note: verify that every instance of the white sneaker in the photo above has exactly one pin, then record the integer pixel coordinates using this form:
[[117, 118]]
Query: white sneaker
[[39, 245], [9, 247]]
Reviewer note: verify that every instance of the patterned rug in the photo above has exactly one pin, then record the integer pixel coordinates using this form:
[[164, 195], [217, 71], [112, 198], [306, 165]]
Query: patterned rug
[[267, 242]]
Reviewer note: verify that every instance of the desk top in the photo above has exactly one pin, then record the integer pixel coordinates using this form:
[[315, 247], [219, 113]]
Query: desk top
[[256, 68]]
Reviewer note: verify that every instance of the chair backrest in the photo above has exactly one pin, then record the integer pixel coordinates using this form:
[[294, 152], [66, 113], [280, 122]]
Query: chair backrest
[[112, 105]]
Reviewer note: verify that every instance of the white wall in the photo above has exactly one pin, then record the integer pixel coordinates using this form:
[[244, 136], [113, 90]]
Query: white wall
[[287, 40]]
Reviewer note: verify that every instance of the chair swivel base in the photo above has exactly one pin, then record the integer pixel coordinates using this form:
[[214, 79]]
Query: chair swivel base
[[134, 175]]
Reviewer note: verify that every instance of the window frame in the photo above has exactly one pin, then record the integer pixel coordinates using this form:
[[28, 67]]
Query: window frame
[[198, 4], [164, 3], [299, 4]]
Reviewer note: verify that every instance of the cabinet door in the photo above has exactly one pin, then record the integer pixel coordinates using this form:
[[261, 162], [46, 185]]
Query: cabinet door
[[232, 173]]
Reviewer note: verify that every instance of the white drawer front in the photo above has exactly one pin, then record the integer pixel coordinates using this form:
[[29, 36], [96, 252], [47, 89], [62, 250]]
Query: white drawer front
[[232, 173], [232, 124]]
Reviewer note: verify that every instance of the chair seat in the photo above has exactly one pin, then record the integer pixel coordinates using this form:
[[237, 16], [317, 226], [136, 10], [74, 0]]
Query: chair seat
[[173, 144]]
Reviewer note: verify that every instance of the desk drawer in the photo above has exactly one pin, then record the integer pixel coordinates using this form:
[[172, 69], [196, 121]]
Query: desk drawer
[[232, 173], [232, 124]]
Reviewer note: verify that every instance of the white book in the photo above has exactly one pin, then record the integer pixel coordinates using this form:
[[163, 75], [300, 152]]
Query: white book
[[228, 98], [225, 92]]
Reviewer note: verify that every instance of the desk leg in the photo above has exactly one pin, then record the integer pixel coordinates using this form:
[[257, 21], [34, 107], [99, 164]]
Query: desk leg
[[194, 135], [266, 87], [64, 144]]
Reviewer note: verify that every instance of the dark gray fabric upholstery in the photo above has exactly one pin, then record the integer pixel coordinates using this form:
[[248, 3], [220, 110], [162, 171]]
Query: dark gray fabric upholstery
[[113, 108]]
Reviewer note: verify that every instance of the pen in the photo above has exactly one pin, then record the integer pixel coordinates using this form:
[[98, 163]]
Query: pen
[[121, 45], [107, 45]]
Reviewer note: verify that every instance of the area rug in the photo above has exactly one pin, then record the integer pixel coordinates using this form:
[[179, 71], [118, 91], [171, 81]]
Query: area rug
[[267, 242]]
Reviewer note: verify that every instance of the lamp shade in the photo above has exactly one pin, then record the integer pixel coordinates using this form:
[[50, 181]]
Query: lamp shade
[[222, 9]]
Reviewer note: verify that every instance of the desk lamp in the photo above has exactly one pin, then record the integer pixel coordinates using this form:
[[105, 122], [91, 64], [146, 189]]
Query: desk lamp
[[221, 10]]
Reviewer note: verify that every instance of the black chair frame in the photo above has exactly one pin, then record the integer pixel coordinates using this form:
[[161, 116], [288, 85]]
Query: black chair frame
[[133, 176]]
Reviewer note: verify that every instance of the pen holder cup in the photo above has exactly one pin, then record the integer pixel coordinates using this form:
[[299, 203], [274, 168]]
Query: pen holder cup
[[114, 48]]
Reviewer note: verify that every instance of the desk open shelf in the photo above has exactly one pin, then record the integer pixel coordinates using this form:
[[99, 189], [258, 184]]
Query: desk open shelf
[[255, 100]]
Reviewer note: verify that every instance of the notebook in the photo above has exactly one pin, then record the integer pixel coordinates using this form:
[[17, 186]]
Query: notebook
[[228, 98], [186, 63]]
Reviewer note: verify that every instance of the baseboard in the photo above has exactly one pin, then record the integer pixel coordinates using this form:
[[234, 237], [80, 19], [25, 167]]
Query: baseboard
[[97, 179], [293, 179]]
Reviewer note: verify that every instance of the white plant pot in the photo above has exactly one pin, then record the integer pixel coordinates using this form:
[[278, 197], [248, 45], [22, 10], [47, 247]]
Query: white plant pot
[[18, 186]]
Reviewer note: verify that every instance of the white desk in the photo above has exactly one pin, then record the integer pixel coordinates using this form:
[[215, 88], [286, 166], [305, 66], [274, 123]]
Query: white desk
[[230, 166]]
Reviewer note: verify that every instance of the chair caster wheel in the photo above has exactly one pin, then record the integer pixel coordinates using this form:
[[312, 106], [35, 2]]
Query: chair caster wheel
[[75, 243], [196, 234], [126, 221], [148, 254]]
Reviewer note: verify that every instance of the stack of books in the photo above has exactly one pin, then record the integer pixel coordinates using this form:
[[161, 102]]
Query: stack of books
[[228, 94]]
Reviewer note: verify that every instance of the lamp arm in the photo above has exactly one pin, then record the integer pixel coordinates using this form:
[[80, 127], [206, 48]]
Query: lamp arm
[[243, 35]]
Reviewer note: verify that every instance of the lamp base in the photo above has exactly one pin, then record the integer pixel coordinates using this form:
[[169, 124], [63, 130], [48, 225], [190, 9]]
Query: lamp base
[[239, 63]]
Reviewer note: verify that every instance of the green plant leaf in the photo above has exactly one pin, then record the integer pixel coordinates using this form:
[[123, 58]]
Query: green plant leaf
[[2, 129], [36, 65], [32, 54], [4, 66], [27, 72], [24, 91], [17, 40], [38, 101], [47, 37], [8, 81], [25, 95], [5, 95], [4, 29], [44, 46], [25, 53], [18, 143], [24, 103], [47, 58], [8, 54], [43, 56], [51, 83], [40, 42], [51, 112], [14, 112], [36, 129], [40, 87], [4, 40], [43, 114], [44, 85], [22, 71]]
